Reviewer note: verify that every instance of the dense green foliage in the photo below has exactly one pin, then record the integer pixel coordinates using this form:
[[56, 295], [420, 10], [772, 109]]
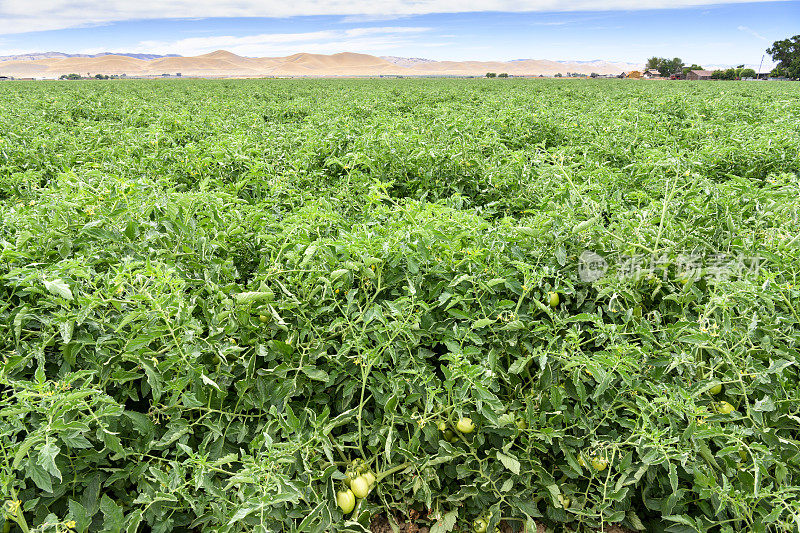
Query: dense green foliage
[[214, 295], [787, 54]]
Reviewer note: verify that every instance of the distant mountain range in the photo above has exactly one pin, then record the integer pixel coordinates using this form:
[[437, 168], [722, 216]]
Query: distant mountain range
[[226, 64], [35, 56], [406, 61]]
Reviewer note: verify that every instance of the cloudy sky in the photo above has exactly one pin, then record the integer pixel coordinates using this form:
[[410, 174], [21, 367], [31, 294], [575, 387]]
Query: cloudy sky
[[702, 31]]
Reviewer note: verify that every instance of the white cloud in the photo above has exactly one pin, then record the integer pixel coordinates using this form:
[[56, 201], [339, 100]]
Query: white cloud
[[752, 32], [21, 16], [358, 19], [367, 39]]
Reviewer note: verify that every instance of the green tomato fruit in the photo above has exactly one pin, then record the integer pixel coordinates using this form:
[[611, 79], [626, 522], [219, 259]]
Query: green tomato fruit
[[263, 319], [465, 425], [360, 487], [725, 408], [442, 425], [521, 424], [479, 526], [599, 463], [553, 299], [346, 501], [351, 475], [716, 389], [447, 435], [370, 477]]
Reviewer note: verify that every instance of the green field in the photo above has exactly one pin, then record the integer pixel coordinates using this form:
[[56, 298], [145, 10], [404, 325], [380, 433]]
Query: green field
[[216, 295]]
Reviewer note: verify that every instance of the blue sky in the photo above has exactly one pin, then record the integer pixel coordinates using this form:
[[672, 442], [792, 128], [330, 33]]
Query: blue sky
[[616, 30]]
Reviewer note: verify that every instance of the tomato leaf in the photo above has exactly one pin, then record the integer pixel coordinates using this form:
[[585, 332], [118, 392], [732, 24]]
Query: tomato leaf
[[446, 523], [59, 288], [510, 462]]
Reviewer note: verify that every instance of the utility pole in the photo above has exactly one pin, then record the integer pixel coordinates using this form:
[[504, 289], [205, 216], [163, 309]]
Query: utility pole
[[758, 74]]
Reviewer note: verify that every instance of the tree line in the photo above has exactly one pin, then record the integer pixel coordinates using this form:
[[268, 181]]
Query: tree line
[[675, 67], [785, 52]]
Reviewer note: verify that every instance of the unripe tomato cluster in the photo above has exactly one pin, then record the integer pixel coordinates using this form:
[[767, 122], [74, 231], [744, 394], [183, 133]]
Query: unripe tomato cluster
[[481, 525], [464, 426], [359, 480]]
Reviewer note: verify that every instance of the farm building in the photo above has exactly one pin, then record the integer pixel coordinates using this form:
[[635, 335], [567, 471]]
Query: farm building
[[699, 75], [634, 75], [652, 73]]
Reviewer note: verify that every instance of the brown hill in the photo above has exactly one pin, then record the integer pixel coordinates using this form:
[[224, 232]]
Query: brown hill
[[222, 63]]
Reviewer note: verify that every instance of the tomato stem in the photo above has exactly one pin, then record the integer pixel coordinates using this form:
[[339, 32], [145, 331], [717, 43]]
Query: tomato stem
[[392, 470], [17, 516]]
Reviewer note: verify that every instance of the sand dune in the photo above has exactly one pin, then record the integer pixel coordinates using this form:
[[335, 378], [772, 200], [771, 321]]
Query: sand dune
[[224, 64]]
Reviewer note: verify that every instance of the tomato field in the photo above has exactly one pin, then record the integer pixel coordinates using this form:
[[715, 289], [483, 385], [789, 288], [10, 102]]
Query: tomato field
[[253, 305]]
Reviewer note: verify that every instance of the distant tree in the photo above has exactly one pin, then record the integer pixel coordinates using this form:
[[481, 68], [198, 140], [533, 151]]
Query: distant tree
[[672, 66], [787, 54], [665, 67], [559, 75], [594, 75], [491, 74], [747, 73], [687, 70], [503, 75], [740, 66], [70, 77], [729, 74]]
